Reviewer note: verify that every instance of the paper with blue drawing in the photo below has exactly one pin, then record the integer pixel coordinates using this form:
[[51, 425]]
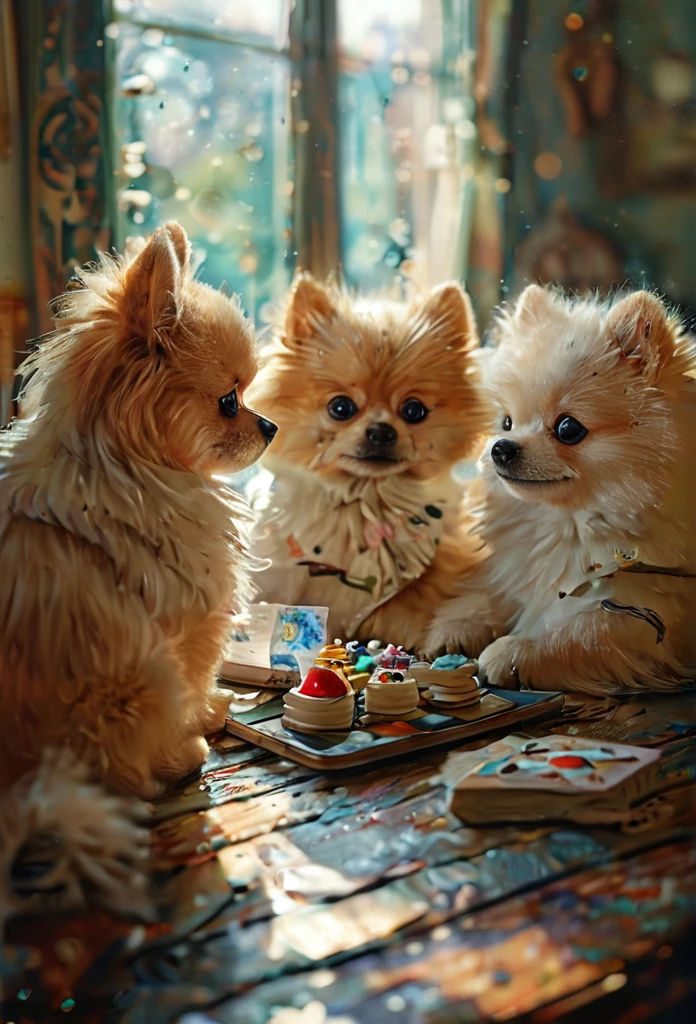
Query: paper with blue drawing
[[274, 644]]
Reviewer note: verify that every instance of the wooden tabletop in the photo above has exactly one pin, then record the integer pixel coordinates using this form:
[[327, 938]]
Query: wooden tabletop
[[292, 897]]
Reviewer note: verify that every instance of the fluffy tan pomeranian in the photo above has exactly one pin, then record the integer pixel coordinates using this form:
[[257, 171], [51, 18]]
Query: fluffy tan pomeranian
[[589, 501], [121, 549], [376, 403]]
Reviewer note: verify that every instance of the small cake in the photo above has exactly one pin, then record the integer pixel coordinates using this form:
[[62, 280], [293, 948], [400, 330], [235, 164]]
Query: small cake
[[324, 701], [350, 659], [395, 657], [331, 654], [362, 666], [450, 680], [391, 692], [356, 651]]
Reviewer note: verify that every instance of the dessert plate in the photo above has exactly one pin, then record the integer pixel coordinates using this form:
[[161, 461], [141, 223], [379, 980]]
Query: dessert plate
[[378, 739]]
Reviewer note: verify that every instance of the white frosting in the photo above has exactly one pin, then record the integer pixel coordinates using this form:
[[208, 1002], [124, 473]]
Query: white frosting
[[457, 686], [317, 714], [391, 698], [448, 695], [461, 678]]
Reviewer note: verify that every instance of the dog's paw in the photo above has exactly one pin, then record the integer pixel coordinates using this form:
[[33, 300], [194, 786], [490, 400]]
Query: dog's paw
[[152, 789], [505, 662], [194, 754], [455, 638], [432, 648], [187, 757], [216, 712], [443, 637]]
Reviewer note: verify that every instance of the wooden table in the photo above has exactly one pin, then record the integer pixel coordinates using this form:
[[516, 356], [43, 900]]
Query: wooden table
[[295, 898]]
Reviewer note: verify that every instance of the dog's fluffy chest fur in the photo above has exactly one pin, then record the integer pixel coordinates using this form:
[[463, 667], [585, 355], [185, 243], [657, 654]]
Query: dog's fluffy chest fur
[[162, 534], [350, 546], [551, 563]]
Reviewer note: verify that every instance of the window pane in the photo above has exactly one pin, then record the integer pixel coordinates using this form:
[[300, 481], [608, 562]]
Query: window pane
[[261, 20], [201, 136], [408, 138], [379, 31]]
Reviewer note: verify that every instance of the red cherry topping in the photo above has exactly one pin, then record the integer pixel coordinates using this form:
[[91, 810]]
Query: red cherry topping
[[568, 761], [323, 682]]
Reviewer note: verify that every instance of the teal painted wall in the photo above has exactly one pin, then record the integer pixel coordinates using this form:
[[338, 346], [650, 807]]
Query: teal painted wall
[[653, 226]]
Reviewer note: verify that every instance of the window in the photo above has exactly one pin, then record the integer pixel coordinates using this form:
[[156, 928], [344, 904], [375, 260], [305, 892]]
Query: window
[[200, 114], [407, 138], [215, 123]]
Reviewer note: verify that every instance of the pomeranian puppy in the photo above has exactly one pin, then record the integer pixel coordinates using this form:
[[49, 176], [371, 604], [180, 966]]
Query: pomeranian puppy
[[589, 501], [376, 403], [65, 841], [122, 552]]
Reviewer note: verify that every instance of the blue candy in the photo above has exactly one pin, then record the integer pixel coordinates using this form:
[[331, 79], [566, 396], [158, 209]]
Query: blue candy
[[449, 662], [364, 663]]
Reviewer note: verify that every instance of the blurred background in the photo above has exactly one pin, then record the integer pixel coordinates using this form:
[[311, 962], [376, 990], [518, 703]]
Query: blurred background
[[495, 141]]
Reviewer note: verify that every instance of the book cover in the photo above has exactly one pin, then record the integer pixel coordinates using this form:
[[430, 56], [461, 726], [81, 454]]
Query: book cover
[[556, 764], [552, 777]]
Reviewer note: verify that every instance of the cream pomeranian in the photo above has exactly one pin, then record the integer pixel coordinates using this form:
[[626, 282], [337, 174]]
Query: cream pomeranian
[[376, 403], [121, 549], [588, 501]]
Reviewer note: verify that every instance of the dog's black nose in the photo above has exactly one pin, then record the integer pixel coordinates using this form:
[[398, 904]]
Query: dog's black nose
[[382, 435], [268, 429], [504, 452]]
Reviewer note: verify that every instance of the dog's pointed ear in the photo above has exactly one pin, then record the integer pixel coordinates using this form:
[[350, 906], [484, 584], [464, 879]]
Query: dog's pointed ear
[[310, 302], [180, 241], [640, 327], [450, 317], [534, 303], [153, 283]]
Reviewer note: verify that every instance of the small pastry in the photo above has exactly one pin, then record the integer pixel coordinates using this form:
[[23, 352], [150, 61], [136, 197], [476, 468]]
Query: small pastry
[[395, 657], [360, 671], [324, 701], [333, 653], [391, 692], [450, 680], [356, 651]]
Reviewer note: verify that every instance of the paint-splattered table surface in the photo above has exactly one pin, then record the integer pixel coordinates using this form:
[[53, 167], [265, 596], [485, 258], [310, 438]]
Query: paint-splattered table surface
[[296, 898]]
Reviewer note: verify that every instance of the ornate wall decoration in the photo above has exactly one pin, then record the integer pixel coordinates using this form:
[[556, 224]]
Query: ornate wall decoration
[[65, 142]]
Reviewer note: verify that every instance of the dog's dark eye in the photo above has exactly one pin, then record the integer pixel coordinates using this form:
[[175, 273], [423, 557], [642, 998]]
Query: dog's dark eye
[[413, 411], [342, 408], [229, 403], [568, 430], [507, 423]]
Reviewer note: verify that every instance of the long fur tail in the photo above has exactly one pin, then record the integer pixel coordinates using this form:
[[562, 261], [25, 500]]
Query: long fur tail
[[66, 842]]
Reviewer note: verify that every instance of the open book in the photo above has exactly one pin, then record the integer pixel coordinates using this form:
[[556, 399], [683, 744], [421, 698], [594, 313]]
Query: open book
[[274, 644], [554, 778]]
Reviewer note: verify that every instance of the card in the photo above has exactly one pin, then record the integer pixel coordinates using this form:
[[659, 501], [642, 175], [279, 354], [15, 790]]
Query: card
[[555, 764], [274, 644]]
